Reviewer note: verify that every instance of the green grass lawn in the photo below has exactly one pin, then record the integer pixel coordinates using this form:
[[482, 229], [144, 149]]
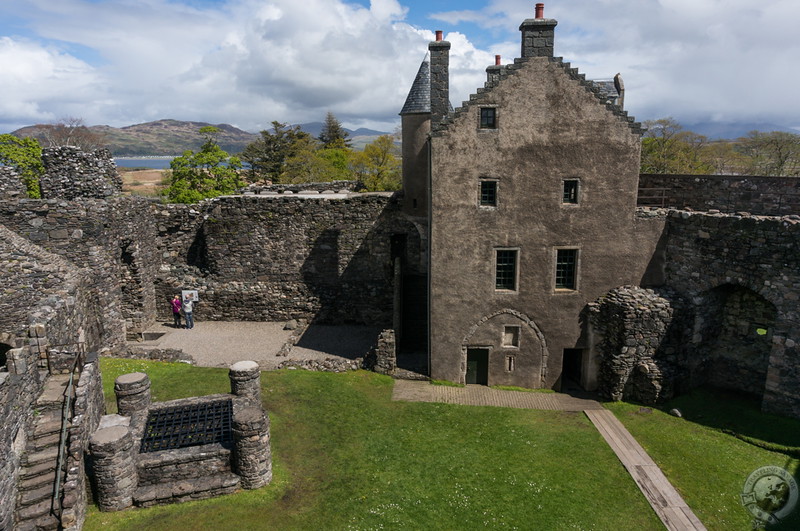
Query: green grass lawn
[[347, 457], [708, 466]]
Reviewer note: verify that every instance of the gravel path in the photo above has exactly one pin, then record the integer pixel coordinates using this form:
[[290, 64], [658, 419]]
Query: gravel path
[[220, 344]]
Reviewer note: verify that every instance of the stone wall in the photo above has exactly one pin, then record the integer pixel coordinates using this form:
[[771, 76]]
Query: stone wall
[[713, 259], [770, 196], [71, 173], [45, 307], [639, 345], [336, 186], [275, 258], [115, 240], [89, 407], [11, 185]]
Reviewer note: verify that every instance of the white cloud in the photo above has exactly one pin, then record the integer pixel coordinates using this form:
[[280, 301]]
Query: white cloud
[[249, 62]]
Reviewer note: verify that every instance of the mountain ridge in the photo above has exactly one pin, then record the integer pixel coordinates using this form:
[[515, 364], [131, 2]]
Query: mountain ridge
[[169, 137]]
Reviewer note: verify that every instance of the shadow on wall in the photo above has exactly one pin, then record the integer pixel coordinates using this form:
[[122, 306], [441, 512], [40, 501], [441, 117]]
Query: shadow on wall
[[352, 278]]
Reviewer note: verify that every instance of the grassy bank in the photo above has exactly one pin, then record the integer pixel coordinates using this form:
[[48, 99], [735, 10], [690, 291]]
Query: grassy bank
[[347, 457]]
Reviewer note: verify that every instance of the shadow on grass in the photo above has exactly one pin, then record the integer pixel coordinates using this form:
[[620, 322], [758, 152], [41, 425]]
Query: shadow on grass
[[740, 415]]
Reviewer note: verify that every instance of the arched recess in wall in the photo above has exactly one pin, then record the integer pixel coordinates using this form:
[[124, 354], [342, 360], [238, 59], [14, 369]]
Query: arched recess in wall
[[733, 338], [508, 333]]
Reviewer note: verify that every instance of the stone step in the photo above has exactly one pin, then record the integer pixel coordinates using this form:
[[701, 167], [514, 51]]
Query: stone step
[[185, 490], [47, 426], [34, 480], [34, 458], [43, 523], [44, 442], [32, 497], [33, 512]]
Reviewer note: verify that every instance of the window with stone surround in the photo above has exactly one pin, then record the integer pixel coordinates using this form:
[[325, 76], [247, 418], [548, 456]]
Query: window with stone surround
[[488, 195], [506, 269], [571, 188], [488, 118], [566, 269], [511, 336]]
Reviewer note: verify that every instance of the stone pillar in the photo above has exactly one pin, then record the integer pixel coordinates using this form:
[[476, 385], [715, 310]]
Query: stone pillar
[[245, 379], [133, 394], [252, 457], [113, 467]]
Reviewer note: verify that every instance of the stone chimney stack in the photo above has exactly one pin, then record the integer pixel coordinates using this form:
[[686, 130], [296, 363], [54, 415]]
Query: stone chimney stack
[[538, 34], [493, 72], [440, 78]]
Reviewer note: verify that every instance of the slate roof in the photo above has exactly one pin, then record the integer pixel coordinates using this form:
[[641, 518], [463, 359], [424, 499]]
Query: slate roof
[[419, 97]]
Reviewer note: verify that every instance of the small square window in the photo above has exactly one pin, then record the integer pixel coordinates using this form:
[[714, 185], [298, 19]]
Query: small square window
[[566, 268], [488, 118], [506, 269], [570, 194], [511, 336], [488, 193]]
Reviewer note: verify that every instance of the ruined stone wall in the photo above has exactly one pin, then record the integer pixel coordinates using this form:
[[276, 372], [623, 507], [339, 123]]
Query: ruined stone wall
[[712, 260], [45, 306], [335, 186], [115, 240], [88, 407], [640, 340], [769, 196], [276, 257], [71, 173], [11, 185]]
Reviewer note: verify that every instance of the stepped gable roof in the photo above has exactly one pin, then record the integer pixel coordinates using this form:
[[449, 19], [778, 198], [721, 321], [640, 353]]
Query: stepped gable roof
[[607, 88], [419, 97]]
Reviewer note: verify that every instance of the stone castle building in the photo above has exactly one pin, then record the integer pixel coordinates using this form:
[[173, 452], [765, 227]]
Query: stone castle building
[[525, 249]]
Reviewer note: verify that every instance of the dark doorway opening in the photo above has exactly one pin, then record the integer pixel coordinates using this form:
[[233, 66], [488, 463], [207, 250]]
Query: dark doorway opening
[[571, 370], [477, 366], [4, 356]]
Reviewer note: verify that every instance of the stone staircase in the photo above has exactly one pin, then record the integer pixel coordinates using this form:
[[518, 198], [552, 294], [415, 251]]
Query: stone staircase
[[37, 476]]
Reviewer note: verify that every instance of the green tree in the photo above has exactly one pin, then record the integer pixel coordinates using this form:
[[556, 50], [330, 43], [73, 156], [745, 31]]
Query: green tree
[[775, 154], [208, 173], [25, 156], [333, 135], [268, 155], [378, 166], [310, 164], [667, 148]]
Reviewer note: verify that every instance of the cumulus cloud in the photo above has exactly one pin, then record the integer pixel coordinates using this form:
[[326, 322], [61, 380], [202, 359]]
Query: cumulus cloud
[[249, 62]]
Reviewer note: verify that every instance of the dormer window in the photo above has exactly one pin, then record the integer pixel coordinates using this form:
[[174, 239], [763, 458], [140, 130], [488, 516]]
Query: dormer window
[[488, 118]]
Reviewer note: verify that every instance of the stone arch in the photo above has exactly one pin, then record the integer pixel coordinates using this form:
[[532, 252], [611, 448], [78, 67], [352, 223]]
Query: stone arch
[[732, 334], [530, 355]]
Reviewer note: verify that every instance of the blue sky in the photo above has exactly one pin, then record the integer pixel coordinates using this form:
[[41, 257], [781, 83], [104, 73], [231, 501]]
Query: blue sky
[[249, 62]]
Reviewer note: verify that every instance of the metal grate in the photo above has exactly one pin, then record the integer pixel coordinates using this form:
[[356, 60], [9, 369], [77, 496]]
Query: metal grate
[[183, 426]]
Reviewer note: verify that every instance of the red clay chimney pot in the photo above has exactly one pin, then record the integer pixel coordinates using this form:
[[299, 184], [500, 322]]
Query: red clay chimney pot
[[539, 10], [497, 60], [438, 35]]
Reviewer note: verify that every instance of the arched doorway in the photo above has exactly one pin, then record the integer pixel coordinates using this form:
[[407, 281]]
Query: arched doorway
[[734, 326], [504, 348]]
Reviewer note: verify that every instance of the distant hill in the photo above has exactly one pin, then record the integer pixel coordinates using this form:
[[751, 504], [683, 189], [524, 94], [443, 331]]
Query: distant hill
[[173, 137], [733, 131], [162, 137]]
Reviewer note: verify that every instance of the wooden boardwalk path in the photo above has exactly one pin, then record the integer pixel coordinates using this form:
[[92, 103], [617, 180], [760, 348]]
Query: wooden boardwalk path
[[665, 500], [662, 496]]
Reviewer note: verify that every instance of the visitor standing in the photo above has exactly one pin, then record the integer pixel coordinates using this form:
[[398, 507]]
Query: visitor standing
[[176, 310], [188, 307]]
